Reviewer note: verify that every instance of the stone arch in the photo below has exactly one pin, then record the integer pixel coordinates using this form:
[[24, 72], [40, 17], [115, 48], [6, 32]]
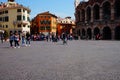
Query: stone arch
[[117, 33], [83, 15], [107, 34], [88, 14], [78, 15], [78, 32], [96, 32], [96, 12], [117, 9], [83, 34], [89, 33], [106, 10]]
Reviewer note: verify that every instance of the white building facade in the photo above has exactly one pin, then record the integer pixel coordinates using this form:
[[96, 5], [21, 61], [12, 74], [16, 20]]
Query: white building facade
[[14, 17]]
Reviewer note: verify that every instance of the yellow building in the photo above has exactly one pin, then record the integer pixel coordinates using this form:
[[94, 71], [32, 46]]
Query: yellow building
[[14, 17]]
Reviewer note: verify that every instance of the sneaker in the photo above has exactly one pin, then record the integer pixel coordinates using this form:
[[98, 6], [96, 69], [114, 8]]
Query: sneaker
[[18, 46], [15, 47]]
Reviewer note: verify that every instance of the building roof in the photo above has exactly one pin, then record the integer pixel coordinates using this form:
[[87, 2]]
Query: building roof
[[47, 13], [66, 20], [12, 5]]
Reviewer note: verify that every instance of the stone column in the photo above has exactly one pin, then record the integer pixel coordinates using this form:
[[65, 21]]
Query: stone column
[[80, 15], [101, 14], [91, 14], [85, 16], [113, 32], [112, 12]]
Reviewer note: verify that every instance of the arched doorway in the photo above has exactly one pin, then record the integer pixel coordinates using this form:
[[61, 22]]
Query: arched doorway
[[83, 15], [117, 33], [88, 14], [78, 32], [117, 9], [107, 33], [89, 33], [106, 11], [83, 34], [96, 32], [96, 12]]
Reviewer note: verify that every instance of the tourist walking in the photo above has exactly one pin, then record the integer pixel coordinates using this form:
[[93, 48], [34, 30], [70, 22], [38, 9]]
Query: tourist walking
[[16, 40], [28, 39], [2, 38], [64, 38], [23, 39], [11, 39]]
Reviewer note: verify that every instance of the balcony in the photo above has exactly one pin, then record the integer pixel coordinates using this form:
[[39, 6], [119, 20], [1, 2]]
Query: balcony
[[23, 22]]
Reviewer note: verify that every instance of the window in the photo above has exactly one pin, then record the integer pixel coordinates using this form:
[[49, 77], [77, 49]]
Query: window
[[49, 22], [41, 22], [3, 12], [0, 26], [23, 17], [19, 25], [28, 12], [48, 16], [19, 18], [42, 28], [23, 25], [28, 19], [6, 26], [18, 10], [0, 18], [3, 19], [6, 19], [48, 27], [0, 13], [6, 11], [23, 10]]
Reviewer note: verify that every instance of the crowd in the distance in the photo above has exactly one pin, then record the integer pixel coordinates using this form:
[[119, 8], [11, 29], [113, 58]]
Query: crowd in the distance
[[17, 40], [51, 37]]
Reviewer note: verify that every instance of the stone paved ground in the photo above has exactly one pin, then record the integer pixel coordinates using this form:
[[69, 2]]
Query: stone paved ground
[[79, 60]]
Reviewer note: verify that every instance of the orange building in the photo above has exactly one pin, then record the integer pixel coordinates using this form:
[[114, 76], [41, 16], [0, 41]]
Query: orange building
[[44, 23]]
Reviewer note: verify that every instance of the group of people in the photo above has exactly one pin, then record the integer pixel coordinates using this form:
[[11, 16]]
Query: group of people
[[16, 38], [51, 37]]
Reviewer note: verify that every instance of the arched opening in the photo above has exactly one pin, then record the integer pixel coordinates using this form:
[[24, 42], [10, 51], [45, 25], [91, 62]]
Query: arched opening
[[88, 14], [83, 34], [96, 33], [106, 11], [117, 33], [89, 33], [78, 15], [83, 15], [96, 12], [107, 33], [117, 9], [78, 32]]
